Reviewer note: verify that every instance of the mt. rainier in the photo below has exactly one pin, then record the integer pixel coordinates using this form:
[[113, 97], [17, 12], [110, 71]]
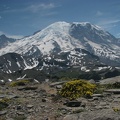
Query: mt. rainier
[[64, 37]]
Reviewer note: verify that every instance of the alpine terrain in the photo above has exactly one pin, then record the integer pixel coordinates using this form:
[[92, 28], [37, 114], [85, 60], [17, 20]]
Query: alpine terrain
[[41, 75]]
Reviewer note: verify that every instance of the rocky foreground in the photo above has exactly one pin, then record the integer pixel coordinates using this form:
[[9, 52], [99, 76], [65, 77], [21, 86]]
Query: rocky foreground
[[39, 101]]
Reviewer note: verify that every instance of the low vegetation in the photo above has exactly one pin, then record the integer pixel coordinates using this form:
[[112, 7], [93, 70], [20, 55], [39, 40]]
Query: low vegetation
[[116, 109], [78, 111], [115, 85], [19, 83], [4, 103]]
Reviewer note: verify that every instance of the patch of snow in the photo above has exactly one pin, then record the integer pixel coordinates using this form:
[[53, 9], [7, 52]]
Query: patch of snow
[[23, 76], [60, 60], [9, 62], [2, 80], [87, 71], [35, 63], [18, 64], [100, 68], [83, 68], [10, 71], [9, 80], [36, 81], [117, 68]]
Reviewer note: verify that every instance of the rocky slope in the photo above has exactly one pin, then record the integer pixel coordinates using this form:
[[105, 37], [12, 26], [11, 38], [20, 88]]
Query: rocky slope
[[38, 101], [13, 62]]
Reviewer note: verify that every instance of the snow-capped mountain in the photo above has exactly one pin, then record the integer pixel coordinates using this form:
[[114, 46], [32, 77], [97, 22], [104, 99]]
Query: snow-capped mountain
[[4, 41], [63, 37]]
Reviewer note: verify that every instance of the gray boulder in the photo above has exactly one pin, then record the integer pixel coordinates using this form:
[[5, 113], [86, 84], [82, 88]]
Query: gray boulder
[[107, 114]]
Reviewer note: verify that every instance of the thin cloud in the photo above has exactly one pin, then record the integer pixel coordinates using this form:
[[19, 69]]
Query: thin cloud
[[32, 8], [99, 13], [15, 36], [108, 24], [118, 35], [0, 17], [11, 36], [104, 22], [50, 14], [38, 7]]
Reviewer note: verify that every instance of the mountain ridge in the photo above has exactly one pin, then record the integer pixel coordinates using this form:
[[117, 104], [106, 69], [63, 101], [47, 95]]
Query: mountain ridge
[[4, 40]]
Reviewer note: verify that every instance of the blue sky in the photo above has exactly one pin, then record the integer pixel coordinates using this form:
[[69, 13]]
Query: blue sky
[[24, 17]]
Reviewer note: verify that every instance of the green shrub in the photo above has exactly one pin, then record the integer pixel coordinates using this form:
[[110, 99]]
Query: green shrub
[[5, 100], [77, 88], [115, 85], [19, 83], [100, 89]]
